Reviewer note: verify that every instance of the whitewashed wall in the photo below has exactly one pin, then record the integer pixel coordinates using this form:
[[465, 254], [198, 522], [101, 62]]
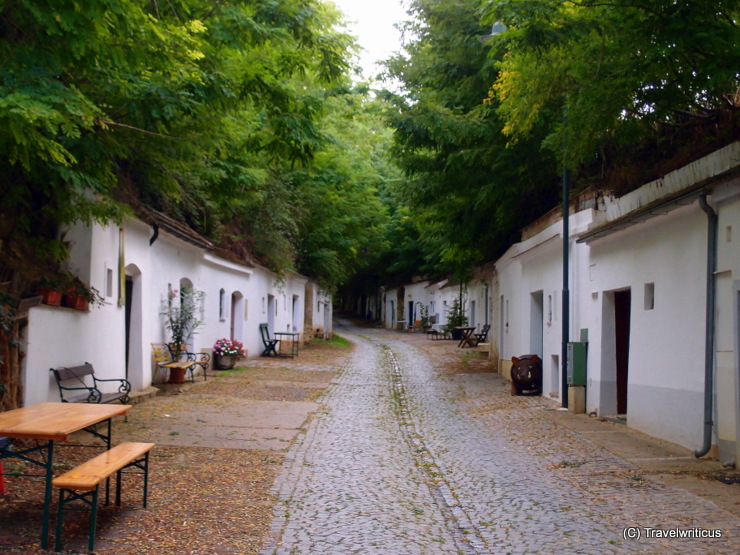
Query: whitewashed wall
[[666, 351], [661, 261], [318, 316], [528, 314], [415, 293], [726, 201], [445, 296], [477, 307], [390, 308], [237, 299]]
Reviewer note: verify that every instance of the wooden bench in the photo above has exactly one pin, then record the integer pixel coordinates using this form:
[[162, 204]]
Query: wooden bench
[[200, 359], [269, 343], [77, 374], [163, 358], [82, 483]]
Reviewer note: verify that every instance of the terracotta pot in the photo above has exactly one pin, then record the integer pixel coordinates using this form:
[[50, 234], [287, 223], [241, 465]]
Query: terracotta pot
[[177, 375], [225, 362], [78, 302], [51, 297]]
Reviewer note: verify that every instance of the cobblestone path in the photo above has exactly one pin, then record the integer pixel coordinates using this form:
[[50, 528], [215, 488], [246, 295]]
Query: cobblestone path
[[403, 459]]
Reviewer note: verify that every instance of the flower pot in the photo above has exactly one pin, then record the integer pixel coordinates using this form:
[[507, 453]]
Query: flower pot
[[78, 302], [177, 375], [225, 362], [50, 297]]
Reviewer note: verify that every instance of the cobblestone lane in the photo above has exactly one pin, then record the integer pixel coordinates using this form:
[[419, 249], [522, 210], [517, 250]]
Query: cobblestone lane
[[403, 459]]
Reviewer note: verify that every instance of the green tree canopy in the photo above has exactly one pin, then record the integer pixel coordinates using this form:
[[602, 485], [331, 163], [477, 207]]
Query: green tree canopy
[[468, 192], [623, 70]]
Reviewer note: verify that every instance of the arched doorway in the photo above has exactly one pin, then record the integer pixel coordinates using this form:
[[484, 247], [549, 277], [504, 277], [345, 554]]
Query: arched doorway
[[237, 316], [134, 328]]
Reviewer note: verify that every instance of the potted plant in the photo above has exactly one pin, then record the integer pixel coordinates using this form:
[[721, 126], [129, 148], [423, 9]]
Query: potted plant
[[455, 318], [226, 352], [80, 296], [51, 288], [423, 316], [180, 311]]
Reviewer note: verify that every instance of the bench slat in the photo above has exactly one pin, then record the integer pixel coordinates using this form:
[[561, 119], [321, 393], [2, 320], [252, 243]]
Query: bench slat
[[88, 475]]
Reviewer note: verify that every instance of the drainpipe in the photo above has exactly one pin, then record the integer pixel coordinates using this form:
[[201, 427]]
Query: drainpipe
[[709, 340]]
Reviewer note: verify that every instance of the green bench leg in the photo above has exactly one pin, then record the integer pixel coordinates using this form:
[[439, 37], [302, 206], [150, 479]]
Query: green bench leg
[[74, 496], [142, 464]]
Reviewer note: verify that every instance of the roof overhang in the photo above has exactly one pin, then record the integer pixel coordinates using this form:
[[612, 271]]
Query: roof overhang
[[658, 208]]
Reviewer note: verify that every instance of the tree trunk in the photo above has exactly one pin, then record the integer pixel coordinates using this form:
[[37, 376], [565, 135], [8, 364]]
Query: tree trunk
[[10, 373]]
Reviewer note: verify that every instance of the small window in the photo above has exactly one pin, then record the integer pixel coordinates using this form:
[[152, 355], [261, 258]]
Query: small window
[[109, 282], [649, 296], [222, 304]]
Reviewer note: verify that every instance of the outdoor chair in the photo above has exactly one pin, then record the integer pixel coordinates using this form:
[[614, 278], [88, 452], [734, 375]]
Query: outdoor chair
[[269, 343], [483, 335]]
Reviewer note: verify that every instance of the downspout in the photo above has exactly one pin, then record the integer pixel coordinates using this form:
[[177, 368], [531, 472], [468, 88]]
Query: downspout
[[709, 340]]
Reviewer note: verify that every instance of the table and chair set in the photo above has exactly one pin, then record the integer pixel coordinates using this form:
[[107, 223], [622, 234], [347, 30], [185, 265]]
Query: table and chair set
[[40, 429], [467, 335], [49, 426], [281, 344]]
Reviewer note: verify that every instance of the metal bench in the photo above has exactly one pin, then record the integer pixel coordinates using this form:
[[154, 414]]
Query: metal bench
[[76, 375], [269, 343], [82, 483]]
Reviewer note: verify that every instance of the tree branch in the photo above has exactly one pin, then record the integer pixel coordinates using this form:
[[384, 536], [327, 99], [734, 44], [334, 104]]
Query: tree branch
[[126, 126]]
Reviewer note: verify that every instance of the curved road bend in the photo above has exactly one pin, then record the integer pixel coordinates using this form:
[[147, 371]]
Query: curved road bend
[[404, 459]]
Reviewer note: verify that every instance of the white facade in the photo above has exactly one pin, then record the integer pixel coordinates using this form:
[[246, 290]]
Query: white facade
[[478, 301], [638, 295], [237, 298], [318, 312], [416, 296], [390, 308]]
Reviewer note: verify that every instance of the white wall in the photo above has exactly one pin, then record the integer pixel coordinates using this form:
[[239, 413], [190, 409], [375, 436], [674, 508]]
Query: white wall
[[661, 260], [390, 308], [726, 201], [528, 314], [64, 337], [666, 349], [415, 293]]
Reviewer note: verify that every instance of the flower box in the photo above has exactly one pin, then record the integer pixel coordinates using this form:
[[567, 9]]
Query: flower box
[[50, 296], [78, 302]]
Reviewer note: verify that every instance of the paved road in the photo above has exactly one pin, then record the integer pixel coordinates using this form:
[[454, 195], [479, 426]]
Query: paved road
[[403, 459]]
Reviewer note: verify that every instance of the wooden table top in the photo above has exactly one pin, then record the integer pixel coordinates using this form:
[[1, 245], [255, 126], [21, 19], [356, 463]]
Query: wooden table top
[[55, 421]]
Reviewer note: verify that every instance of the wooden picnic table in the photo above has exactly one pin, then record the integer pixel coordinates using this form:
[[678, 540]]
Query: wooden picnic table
[[467, 339], [52, 422]]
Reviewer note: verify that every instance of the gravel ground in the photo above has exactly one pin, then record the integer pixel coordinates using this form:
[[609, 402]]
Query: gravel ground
[[250, 461], [203, 497]]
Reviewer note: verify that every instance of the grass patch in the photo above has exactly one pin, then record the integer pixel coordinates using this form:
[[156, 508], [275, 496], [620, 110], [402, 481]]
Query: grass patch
[[337, 341]]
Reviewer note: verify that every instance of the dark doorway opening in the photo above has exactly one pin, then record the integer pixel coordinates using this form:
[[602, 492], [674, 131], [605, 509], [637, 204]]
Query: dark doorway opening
[[622, 309], [128, 299]]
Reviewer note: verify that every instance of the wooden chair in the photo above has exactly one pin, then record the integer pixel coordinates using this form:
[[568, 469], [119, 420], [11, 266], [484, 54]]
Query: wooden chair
[[483, 335], [269, 343]]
